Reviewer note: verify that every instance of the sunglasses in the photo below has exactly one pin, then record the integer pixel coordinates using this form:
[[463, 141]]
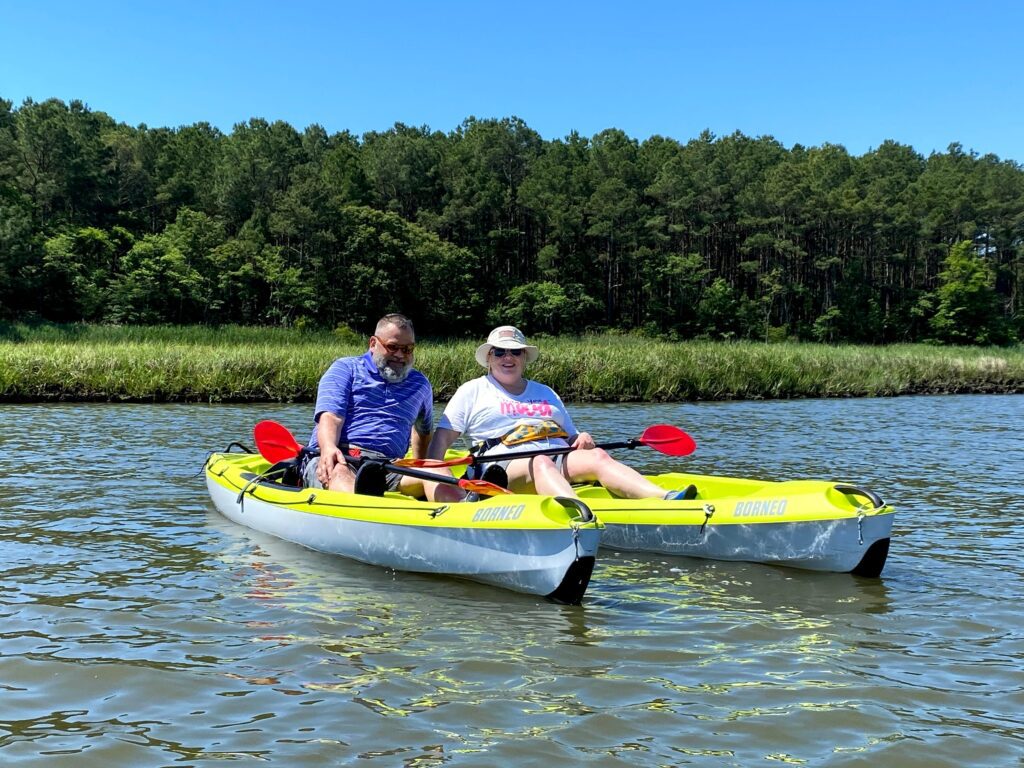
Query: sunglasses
[[405, 349], [499, 352]]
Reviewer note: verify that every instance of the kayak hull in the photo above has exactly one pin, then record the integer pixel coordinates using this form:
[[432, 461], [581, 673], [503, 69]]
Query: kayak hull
[[840, 546], [808, 524], [529, 544]]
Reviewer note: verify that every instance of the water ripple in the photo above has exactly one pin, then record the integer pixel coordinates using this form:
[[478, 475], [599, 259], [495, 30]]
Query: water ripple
[[141, 628]]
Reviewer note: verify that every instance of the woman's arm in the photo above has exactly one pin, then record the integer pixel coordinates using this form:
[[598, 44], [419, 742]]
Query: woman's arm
[[441, 442]]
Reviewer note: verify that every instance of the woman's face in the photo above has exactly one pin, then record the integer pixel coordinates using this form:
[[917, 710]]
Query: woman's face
[[505, 364]]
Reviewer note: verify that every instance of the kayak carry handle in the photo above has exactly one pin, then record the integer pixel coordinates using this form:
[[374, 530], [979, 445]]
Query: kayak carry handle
[[853, 490], [586, 515]]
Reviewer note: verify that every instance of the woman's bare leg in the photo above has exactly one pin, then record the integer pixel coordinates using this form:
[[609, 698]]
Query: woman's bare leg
[[620, 479], [538, 475]]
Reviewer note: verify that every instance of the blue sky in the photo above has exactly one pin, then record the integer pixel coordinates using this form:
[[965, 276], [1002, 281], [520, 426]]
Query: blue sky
[[851, 73]]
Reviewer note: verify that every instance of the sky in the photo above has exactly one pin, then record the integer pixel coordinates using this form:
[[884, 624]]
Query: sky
[[857, 73]]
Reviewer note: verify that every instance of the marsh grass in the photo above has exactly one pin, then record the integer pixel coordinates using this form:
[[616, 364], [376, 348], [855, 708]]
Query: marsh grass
[[235, 364]]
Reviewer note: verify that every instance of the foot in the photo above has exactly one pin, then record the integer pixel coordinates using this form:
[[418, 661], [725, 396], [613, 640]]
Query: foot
[[688, 493]]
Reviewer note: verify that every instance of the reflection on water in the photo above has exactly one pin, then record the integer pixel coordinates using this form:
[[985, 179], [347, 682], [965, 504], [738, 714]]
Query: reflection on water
[[138, 627]]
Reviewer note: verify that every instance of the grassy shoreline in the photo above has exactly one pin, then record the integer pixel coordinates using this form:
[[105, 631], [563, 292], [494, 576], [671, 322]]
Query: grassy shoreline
[[192, 364]]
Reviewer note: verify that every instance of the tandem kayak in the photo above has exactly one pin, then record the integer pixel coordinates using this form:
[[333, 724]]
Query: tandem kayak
[[811, 524], [537, 545]]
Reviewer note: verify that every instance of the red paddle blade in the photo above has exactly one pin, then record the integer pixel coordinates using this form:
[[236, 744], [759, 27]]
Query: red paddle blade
[[274, 442], [427, 463], [669, 440], [482, 487]]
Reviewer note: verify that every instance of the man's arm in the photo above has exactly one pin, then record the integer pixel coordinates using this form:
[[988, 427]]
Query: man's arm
[[327, 430]]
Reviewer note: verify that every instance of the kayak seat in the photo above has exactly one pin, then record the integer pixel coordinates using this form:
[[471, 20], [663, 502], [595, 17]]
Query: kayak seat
[[371, 479], [495, 473], [492, 473], [287, 472]]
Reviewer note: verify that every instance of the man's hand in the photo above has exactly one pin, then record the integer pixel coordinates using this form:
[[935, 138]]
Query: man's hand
[[329, 459]]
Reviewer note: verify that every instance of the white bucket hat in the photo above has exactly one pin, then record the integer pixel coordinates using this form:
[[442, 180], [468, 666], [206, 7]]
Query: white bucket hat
[[506, 337]]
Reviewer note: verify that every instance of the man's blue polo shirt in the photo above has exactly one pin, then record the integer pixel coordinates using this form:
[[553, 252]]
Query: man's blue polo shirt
[[379, 415]]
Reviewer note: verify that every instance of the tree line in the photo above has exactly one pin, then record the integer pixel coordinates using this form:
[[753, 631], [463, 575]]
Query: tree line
[[719, 237]]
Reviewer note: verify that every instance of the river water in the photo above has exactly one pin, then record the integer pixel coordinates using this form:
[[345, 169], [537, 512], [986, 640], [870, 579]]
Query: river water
[[140, 628]]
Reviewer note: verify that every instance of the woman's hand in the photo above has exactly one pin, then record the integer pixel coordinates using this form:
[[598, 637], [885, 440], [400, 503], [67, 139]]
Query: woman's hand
[[583, 441]]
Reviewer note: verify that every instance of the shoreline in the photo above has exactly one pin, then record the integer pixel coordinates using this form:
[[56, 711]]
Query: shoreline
[[237, 365], [218, 400]]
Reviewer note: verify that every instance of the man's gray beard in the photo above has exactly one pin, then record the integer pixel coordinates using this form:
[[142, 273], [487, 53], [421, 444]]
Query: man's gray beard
[[392, 376]]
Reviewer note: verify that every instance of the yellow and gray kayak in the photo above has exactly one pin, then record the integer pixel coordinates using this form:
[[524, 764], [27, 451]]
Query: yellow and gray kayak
[[533, 544], [811, 524], [817, 525]]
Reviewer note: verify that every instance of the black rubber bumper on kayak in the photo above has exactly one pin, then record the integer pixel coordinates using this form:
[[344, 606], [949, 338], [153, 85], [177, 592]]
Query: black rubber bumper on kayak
[[570, 591]]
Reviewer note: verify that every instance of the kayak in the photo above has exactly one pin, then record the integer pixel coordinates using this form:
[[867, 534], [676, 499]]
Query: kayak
[[537, 545], [811, 524], [815, 525]]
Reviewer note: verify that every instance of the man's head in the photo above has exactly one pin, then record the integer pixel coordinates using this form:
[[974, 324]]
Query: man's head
[[392, 347]]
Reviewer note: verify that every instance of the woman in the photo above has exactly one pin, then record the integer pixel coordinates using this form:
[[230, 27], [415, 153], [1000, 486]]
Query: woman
[[503, 412]]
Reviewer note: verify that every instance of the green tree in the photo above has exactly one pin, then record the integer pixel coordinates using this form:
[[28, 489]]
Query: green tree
[[401, 168], [554, 195], [186, 168], [967, 308], [79, 267], [721, 236], [481, 172], [171, 277], [254, 284], [547, 308], [382, 263], [133, 156], [158, 285], [62, 162], [21, 249], [340, 168], [676, 285], [255, 167], [718, 311]]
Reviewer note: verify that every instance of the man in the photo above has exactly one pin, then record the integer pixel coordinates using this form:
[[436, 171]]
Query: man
[[374, 406]]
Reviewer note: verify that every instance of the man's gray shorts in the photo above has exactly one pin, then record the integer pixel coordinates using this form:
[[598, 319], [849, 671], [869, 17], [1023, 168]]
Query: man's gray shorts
[[310, 480]]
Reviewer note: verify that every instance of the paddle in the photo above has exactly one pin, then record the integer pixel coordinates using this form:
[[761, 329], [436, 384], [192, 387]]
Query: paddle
[[663, 438], [275, 443]]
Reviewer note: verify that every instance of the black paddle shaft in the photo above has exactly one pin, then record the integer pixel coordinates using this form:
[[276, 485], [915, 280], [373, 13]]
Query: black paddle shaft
[[631, 443], [357, 461]]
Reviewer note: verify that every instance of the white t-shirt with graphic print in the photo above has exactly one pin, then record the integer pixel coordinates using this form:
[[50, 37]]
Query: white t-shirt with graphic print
[[482, 409]]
